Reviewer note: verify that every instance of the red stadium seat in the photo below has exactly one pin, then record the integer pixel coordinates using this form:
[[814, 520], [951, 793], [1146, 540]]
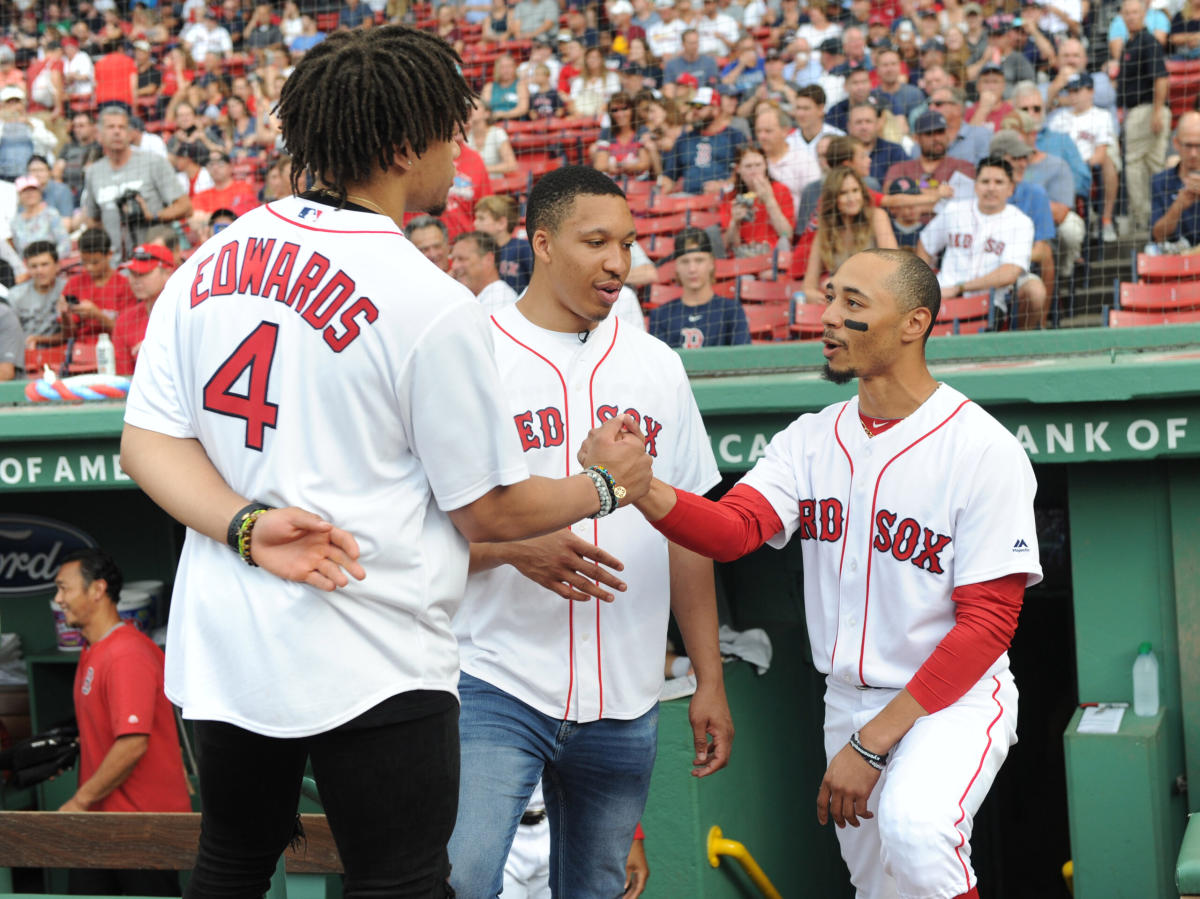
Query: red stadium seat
[[749, 265], [669, 203], [527, 126], [661, 225], [806, 321], [83, 357], [752, 291], [1125, 318], [511, 184], [660, 247], [634, 188], [964, 315], [36, 359], [663, 293], [768, 321], [705, 219], [1158, 296], [1166, 268]]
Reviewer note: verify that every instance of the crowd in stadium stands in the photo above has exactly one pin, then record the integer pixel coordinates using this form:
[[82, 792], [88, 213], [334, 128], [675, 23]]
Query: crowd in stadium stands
[[777, 136]]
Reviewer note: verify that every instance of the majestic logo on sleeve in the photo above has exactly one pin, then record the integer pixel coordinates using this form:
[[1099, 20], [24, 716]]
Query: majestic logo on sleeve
[[543, 428], [906, 539]]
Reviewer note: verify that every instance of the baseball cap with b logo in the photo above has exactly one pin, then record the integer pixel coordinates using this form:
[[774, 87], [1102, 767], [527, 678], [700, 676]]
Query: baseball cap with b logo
[[147, 257]]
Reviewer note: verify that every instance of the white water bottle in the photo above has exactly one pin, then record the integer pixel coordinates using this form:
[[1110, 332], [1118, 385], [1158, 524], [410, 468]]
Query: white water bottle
[[106, 357], [1145, 683]]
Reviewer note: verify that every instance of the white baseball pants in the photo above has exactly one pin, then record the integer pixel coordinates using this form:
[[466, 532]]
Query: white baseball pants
[[918, 844]]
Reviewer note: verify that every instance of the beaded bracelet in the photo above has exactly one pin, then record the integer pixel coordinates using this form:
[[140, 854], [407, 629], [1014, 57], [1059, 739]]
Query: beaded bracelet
[[618, 493], [874, 759], [245, 531], [235, 523], [607, 503]]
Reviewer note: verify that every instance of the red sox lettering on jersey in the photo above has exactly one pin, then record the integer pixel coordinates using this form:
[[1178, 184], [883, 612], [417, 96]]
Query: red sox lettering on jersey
[[965, 240], [545, 427], [890, 525], [902, 537], [584, 661]]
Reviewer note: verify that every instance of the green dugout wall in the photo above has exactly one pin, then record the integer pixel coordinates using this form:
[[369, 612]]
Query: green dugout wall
[[1111, 421]]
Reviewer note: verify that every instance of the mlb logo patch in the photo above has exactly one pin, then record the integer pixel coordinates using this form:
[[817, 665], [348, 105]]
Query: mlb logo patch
[[309, 213]]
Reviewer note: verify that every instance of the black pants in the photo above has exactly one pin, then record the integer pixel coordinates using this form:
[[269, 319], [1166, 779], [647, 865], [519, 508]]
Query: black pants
[[390, 793], [84, 882]]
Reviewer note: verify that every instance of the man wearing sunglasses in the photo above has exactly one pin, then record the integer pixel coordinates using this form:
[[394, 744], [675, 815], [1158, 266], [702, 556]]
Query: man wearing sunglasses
[[1027, 98], [963, 141]]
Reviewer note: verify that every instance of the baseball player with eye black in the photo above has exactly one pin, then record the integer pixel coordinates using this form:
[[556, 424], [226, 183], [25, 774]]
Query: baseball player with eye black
[[914, 509], [553, 688]]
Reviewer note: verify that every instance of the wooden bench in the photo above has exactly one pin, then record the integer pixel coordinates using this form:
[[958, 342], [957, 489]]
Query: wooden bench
[[148, 840]]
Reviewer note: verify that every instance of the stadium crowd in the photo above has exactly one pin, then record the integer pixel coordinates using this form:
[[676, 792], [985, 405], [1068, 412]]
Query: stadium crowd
[[764, 140]]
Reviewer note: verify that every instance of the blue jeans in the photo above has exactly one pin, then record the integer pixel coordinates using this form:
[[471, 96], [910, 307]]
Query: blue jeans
[[595, 777]]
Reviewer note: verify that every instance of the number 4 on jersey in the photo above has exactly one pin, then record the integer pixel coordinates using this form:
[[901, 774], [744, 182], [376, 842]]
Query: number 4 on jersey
[[255, 353]]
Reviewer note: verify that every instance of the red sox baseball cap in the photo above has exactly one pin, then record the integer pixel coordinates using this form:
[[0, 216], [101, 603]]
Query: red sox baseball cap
[[147, 257]]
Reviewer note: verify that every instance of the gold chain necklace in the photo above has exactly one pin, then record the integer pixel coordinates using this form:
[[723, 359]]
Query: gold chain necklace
[[363, 201]]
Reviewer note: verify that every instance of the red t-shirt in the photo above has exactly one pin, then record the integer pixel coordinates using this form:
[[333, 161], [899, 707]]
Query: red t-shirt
[[471, 184], [170, 83], [995, 117], [118, 692], [759, 229], [113, 298], [128, 334], [112, 73], [239, 196], [565, 76]]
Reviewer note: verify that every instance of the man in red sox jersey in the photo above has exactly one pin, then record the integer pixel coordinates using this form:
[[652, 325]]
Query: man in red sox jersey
[[309, 356], [915, 512], [566, 692]]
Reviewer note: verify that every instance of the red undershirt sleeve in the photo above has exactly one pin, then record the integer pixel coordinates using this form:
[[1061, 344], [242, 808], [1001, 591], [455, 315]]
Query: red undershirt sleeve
[[739, 524], [985, 619], [639, 834]]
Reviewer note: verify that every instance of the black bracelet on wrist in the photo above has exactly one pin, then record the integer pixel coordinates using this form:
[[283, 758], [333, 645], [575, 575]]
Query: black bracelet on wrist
[[235, 524], [874, 759]]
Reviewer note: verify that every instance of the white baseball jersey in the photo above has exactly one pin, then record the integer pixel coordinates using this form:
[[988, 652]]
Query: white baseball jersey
[[666, 38], [586, 660], [891, 525], [323, 362], [629, 310], [1089, 130], [711, 30], [977, 244], [496, 296]]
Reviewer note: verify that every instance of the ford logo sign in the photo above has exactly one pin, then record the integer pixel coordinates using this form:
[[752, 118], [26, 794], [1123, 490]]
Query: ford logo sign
[[31, 549]]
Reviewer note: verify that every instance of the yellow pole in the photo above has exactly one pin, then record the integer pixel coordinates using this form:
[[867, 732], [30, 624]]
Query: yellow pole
[[719, 845]]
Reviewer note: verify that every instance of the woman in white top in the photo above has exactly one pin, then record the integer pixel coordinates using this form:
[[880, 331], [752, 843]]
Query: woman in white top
[[490, 142], [591, 89], [290, 23]]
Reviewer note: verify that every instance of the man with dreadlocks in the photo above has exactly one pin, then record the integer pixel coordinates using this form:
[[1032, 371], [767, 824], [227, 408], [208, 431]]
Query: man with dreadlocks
[[310, 357]]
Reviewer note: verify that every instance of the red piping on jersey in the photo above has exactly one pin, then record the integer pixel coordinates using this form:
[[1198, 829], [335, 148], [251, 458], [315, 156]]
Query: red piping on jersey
[[962, 837], [567, 460], [845, 521], [596, 521], [871, 528], [284, 218]]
